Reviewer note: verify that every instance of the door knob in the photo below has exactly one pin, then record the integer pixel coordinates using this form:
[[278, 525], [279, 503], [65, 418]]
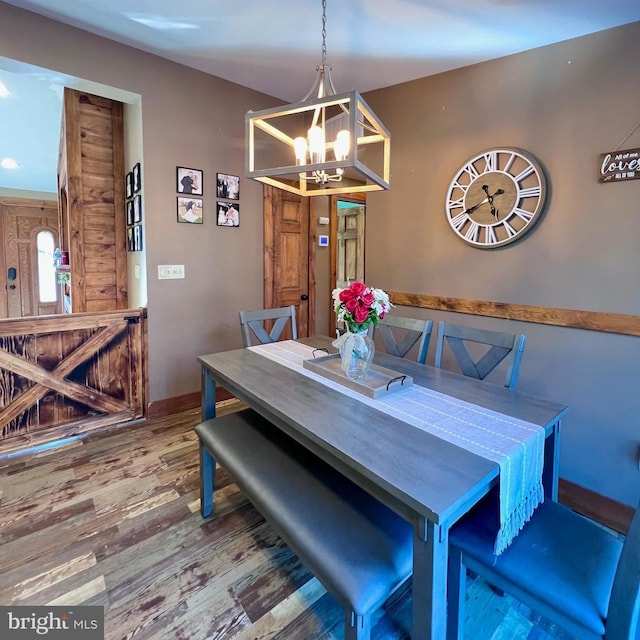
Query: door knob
[[304, 296]]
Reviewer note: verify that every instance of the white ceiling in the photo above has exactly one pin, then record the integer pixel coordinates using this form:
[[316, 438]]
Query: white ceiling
[[273, 46]]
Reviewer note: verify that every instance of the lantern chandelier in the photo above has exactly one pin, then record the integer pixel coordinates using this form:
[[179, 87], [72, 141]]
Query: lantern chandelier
[[345, 150]]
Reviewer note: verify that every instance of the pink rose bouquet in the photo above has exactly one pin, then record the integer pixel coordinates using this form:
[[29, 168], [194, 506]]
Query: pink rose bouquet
[[359, 306]]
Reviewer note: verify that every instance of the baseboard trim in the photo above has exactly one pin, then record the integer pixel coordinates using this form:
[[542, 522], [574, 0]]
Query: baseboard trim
[[606, 511], [168, 406]]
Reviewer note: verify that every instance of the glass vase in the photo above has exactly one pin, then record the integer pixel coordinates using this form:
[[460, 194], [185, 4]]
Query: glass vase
[[356, 353]]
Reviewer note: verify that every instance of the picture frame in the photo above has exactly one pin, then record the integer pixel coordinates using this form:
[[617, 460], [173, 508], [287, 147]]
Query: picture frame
[[189, 210], [137, 178], [228, 186], [130, 212], [227, 214], [137, 209], [137, 237], [189, 181], [128, 185], [130, 243]]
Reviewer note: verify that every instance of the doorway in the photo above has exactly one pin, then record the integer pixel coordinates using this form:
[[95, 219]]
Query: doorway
[[347, 220], [29, 231], [288, 250]]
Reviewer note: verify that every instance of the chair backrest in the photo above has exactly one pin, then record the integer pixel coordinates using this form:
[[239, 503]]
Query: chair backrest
[[400, 334], [501, 345], [624, 605], [252, 323]]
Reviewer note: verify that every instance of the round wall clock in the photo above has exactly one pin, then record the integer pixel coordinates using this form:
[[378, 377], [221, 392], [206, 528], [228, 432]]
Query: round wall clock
[[496, 197]]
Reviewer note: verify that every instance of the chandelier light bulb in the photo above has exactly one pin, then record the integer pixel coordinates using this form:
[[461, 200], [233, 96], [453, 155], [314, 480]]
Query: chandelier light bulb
[[300, 147], [316, 144], [342, 144]]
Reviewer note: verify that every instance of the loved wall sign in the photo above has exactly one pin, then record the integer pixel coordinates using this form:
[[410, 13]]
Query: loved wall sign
[[616, 166]]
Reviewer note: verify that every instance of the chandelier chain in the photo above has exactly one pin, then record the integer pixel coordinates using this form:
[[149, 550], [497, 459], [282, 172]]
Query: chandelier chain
[[324, 31]]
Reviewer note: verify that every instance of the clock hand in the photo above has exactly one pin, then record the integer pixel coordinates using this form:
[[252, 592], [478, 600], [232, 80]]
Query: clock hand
[[494, 211], [488, 199], [472, 209]]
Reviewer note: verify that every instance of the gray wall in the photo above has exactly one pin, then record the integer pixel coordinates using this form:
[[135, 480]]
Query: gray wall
[[566, 104]]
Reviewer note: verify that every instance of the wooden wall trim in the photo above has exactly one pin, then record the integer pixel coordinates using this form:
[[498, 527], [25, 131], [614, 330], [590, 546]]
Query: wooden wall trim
[[589, 320], [606, 511]]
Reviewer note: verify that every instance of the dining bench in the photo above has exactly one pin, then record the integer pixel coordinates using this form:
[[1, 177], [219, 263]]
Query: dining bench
[[359, 549]]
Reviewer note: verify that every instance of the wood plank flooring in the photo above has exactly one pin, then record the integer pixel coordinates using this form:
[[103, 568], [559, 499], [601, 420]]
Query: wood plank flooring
[[114, 520]]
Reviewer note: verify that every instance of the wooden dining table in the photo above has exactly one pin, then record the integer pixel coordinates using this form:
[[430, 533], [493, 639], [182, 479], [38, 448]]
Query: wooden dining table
[[425, 479]]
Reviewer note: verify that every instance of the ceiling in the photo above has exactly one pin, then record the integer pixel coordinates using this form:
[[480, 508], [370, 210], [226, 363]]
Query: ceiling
[[273, 46]]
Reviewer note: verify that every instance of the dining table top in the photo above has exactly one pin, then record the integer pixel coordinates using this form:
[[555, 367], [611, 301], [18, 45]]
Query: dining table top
[[414, 472]]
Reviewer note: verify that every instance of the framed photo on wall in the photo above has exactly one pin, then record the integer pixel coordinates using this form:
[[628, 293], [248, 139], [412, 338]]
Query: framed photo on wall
[[130, 243], [137, 178], [189, 181], [137, 237], [190, 210], [137, 209], [228, 186], [129, 212], [128, 185], [228, 214]]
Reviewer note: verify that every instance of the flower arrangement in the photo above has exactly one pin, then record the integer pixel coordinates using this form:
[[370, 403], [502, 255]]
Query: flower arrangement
[[359, 306]]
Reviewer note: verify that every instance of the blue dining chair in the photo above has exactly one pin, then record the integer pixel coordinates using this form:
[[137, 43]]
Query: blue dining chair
[[267, 325], [400, 334], [563, 565], [468, 345]]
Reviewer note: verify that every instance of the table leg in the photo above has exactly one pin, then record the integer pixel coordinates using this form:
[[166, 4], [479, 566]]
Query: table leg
[[429, 594], [550, 473], [207, 480], [208, 395]]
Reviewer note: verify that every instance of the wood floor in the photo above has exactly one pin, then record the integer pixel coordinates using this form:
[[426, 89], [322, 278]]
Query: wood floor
[[114, 520]]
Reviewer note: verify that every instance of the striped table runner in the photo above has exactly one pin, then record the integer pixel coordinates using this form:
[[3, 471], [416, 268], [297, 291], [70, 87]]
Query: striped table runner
[[517, 446]]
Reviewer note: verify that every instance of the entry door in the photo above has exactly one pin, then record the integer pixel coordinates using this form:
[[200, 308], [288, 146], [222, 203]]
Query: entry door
[[21, 224], [287, 270]]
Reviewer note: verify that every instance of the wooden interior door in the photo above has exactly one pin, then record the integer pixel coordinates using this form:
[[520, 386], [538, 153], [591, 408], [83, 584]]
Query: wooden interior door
[[21, 222], [289, 245]]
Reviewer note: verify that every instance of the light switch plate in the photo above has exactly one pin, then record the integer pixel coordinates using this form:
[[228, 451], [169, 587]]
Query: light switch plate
[[170, 271]]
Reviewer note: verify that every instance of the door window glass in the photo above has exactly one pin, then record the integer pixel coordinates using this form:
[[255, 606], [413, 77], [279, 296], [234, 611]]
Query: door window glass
[[46, 269]]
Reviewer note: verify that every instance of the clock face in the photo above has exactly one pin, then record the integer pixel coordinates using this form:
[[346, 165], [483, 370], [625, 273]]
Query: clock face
[[496, 197]]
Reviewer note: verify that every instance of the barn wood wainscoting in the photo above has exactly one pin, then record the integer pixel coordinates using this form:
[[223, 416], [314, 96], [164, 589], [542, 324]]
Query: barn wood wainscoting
[[608, 512], [61, 376]]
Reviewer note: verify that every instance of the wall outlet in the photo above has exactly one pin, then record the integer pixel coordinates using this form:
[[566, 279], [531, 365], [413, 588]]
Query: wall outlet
[[170, 271]]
